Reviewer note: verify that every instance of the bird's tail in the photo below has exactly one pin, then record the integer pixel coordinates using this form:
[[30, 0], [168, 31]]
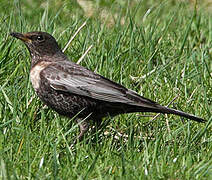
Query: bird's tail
[[166, 110], [143, 104]]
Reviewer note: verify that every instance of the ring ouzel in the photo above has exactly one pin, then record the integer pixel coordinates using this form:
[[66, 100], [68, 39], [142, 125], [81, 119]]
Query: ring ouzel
[[71, 89]]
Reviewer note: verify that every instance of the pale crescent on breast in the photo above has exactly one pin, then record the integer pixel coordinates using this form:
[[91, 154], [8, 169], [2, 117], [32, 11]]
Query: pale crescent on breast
[[35, 73]]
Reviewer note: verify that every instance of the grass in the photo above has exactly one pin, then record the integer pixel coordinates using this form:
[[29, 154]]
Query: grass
[[160, 49]]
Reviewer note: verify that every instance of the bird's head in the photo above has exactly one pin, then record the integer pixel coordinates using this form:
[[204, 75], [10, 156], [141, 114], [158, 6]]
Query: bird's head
[[39, 44]]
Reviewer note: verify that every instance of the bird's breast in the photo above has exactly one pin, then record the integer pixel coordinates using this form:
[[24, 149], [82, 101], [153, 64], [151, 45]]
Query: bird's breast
[[35, 73]]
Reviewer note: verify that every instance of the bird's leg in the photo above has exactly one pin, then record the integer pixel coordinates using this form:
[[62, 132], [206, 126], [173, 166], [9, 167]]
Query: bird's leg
[[84, 126]]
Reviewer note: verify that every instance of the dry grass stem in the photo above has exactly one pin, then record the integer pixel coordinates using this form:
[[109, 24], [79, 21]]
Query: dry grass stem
[[66, 46], [86, 52], [160, 113]]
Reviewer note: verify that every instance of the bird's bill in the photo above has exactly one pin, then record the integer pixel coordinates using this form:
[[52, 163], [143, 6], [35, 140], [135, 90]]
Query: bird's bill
[[20, 36]]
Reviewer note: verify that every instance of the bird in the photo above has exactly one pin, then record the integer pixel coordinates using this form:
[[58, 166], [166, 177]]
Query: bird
[[75, 91]]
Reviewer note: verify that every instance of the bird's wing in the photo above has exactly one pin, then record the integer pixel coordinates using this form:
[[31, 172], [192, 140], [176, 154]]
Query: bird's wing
[[78, 80]]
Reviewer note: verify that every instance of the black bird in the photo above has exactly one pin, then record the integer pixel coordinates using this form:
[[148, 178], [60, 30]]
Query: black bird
[[71, 89]]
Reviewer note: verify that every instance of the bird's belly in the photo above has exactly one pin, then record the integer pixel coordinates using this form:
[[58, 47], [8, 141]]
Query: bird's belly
[[69, 105], [65, 103]]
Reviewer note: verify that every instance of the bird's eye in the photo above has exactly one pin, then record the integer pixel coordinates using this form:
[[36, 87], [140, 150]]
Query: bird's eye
[[40, 38]]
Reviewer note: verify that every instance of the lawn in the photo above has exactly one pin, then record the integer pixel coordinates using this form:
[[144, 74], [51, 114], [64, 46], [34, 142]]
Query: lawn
[[160, 49]]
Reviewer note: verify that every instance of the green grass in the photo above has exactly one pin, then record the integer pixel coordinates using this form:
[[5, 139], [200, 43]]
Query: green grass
[[165, 46]]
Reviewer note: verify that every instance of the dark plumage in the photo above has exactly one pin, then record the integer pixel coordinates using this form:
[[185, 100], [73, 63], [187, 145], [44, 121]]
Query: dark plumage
[[71, 89]]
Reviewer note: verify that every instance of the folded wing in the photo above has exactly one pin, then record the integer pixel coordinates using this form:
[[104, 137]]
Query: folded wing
[[75, 79]]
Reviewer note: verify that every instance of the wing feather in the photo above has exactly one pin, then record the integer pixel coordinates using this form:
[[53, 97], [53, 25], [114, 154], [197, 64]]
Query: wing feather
[[81, 81]]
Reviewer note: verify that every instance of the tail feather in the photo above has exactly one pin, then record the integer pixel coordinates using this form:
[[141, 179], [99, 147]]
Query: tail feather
[[167, 110], [143, 104]]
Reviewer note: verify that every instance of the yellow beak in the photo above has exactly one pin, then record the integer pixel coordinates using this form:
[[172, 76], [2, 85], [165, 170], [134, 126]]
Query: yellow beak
[[22, 37]]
